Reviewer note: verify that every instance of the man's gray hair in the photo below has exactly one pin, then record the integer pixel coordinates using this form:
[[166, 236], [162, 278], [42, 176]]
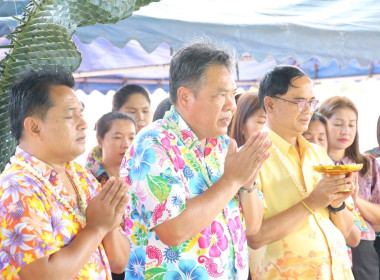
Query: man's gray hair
[[189, 65]]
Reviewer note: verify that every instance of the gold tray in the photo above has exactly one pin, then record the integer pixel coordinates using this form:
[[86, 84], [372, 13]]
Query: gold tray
[[338, 169]]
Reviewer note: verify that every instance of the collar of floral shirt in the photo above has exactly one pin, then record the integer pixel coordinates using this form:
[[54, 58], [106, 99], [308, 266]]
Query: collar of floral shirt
[[41, 167]]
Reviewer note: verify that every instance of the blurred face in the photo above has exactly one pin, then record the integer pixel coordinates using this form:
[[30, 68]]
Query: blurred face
[[63, 129], [285, 116], [254, 123], [211, 108], [117, 140], [316, 134], [138, 107], [342, 129]]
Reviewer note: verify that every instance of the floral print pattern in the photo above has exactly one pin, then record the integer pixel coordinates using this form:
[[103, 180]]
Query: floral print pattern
[[188, 270], [375, 152], [33, 224], [213, 237], [94, 160], [369, 189], [166, 166]]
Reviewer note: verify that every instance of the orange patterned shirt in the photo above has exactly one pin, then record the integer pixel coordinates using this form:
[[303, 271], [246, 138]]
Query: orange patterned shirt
[[33, 224]]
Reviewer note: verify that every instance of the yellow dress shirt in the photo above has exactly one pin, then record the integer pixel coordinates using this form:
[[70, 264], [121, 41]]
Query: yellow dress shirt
[[316, 249]]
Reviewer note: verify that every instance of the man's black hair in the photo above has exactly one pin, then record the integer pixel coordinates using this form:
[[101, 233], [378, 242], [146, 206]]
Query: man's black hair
[[30, 95]]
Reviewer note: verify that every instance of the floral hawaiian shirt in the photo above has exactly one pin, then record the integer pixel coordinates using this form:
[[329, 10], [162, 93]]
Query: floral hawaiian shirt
[[100, 174], [375, 153], [166, 166], [94, 160], [33, 224], [369, 189]]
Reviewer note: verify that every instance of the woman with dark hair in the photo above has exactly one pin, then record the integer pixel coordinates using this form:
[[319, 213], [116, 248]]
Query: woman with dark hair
[[133, 100], [343, 138], [317, 131], [162, 108], [249, 118], [115, 131]]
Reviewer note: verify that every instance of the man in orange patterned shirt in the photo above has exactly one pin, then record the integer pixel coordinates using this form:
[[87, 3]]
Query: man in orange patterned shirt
[[55, 221]]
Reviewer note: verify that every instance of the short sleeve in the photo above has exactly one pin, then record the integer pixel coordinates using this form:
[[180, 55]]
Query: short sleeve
[[27, 233], [94, 159], [261, 196], [156, 185]]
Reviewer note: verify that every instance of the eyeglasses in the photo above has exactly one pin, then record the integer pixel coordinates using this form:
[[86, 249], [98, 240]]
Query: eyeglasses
[[301, 104]]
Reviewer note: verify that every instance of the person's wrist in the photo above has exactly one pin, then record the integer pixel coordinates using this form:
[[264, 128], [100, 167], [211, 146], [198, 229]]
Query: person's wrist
[[248, 189], [335, 204], [96, 230], [336, 209], [310, 202]]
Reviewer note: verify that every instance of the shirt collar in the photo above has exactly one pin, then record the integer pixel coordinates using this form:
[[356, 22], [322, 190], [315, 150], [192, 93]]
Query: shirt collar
[[99, 171], [345, 160], [284, 145], [178, 124], [41, 167]]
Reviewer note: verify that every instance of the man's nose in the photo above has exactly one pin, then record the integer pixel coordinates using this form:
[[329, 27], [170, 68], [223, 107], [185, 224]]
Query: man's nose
[[230, 104]]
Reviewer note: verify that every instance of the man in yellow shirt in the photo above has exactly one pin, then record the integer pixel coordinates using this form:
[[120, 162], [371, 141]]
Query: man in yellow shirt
[[306, 223]]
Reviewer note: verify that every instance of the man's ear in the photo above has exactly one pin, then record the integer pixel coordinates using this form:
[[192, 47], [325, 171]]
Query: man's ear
[[184, 96], [268, 103], [32, 127], [100, 142]]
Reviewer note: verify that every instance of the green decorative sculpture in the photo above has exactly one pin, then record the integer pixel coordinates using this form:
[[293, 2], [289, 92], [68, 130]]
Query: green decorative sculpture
[[43, 38]]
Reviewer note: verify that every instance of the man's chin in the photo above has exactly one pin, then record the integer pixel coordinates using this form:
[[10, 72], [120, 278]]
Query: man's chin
[[302, 128], [78, 152], [221, 132]]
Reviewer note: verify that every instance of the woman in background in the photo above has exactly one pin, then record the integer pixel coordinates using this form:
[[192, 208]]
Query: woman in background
[[115, 132], [133, 100], [343, 139], [249, 118], [317, 133]]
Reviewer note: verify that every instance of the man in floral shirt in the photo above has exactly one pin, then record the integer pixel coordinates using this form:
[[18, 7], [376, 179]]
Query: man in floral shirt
[[53, 222], [193, 194]]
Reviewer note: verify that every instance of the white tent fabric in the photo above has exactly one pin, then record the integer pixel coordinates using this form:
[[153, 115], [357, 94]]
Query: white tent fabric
[[327, 39], [339, 29], [335, 38]]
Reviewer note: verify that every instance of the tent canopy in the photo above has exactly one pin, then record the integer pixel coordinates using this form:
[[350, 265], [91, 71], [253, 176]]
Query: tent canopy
[[326, 38]]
